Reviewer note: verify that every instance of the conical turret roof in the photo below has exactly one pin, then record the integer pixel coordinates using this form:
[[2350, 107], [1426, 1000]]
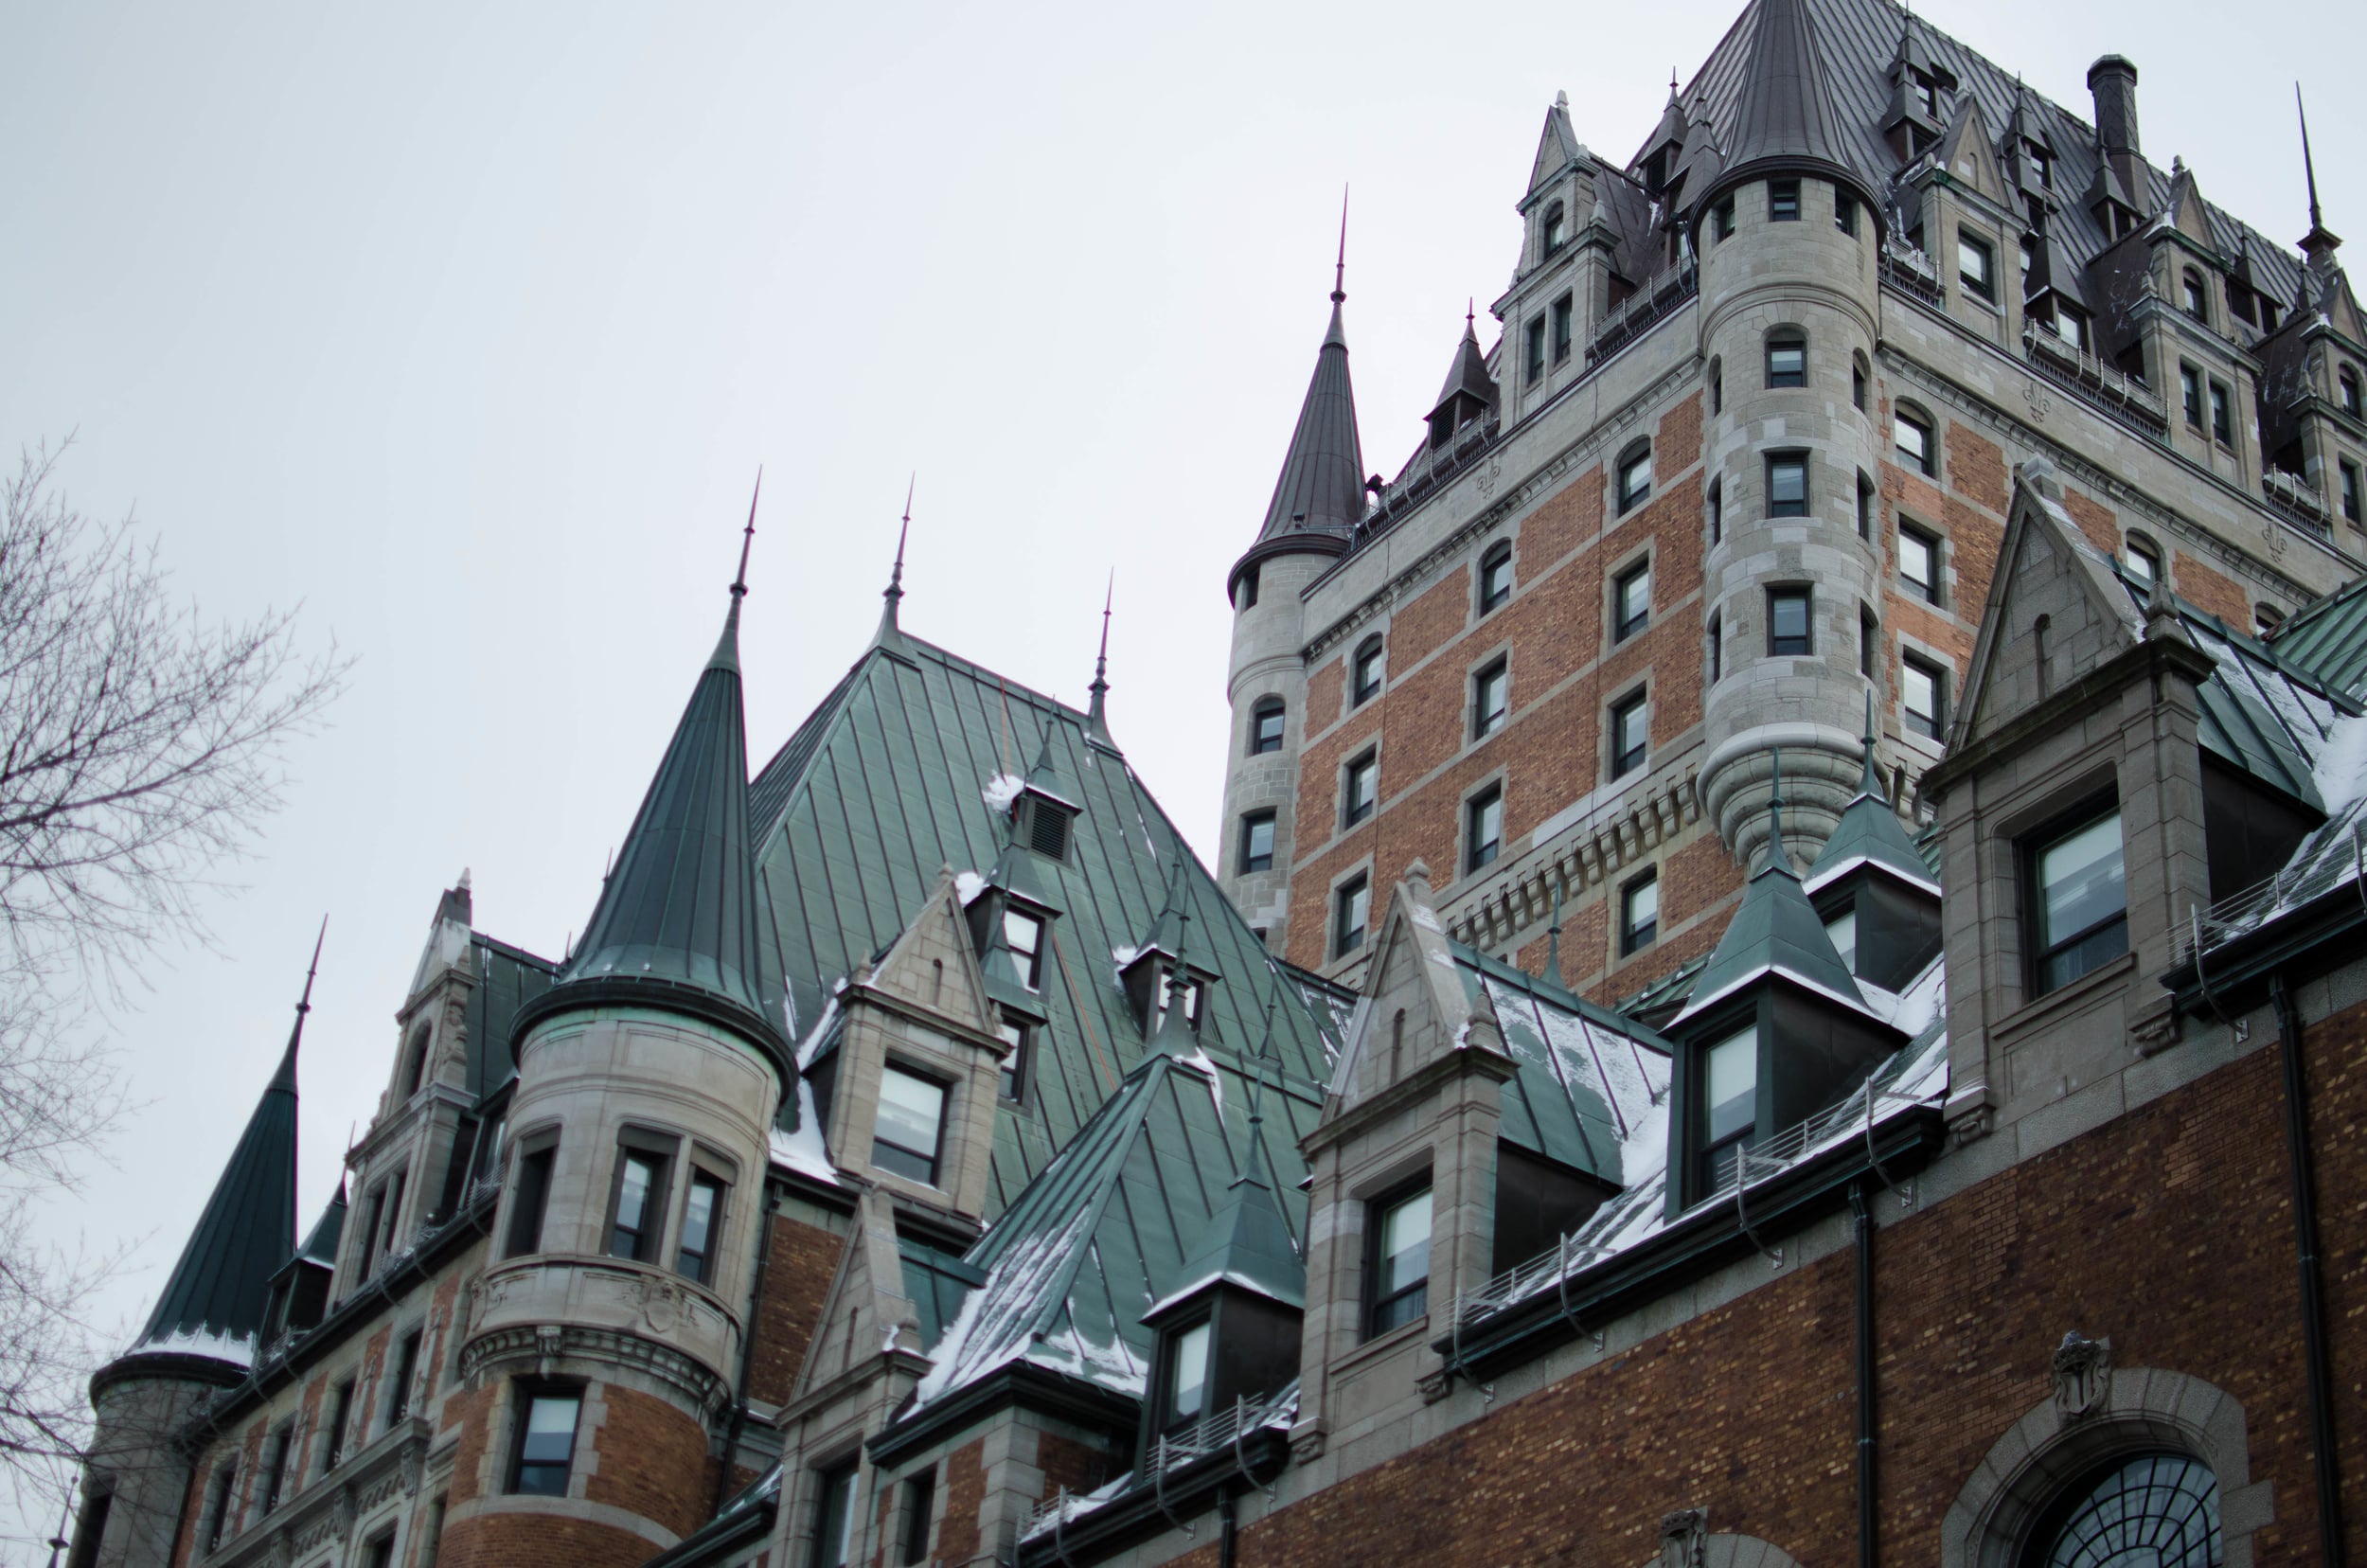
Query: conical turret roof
[[1247, 1243], [214, 1303], [1785, 118], [1321, 492], [676, 923]]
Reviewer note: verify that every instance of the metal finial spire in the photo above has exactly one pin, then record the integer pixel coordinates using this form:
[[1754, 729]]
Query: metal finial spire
[[1340, 268], [304, 1003], [1100, 688], [747, 539], [890, 633], [1672, 84], [2308, 166], [1471, 315]]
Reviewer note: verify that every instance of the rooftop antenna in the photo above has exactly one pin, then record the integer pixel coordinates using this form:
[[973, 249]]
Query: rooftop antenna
[[1340, 268]]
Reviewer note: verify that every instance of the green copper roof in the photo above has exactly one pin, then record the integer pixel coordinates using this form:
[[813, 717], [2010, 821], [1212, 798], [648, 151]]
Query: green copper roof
[[677, 922], [1869, 833], [213, 1304], [2329, 639], [1247, 1243], [320, 1246]]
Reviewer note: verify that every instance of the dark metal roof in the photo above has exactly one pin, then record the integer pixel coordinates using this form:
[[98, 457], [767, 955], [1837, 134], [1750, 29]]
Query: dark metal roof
[[1869, 832], [1467, 376], [676, 925], [1774, 932], [1320, 491], [1787, 117], [220, 1288]]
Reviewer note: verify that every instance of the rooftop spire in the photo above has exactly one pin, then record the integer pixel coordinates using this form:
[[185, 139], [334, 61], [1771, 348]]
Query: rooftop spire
[[675, 927], [889, 628], [1097, 714], [726, 654], [1340, 268], [2320, 243]]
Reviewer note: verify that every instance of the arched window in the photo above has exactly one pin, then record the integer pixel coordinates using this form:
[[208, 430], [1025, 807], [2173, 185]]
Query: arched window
[[1912, 433], [1859, 379], [1264, 727], [1364, 672], [1717, 387], [1495, 575], [2348, 382], [2160, 1510], [1635, 475], [2145, 558], [1787, 357], [2268, 617], [2191, 295], [415, 1061], [1556, 218]]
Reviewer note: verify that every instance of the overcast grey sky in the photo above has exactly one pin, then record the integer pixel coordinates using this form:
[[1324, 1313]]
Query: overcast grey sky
[[468, 326]]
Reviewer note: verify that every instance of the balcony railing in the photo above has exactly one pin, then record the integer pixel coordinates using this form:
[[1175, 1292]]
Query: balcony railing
[[2069, 366], [2298, 499]]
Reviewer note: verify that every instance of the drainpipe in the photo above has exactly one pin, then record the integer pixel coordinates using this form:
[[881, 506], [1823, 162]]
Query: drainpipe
[[747, 1356], [1228, 1531], [1862, 1227], [2306, 1248]]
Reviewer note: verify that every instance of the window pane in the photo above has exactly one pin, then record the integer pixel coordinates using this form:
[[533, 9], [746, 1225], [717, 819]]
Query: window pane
[[1634, 728], [1363, 789], [1495, 687], [905, 1137], [1914, 561], [698, 1226], [1257, 843], [2080, 880], [1635, 601], [1914, 443], [1842, 929], [1269, 731], [834, 1524], [1188, 1378], [1731, 1084], [1404, 1253], [1788, 621], [1787, 487], [1920, 692], [1786, 364]]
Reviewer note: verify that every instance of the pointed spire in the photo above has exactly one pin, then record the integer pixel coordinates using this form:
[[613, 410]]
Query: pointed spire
[[1340, 268], [1869, 833], [1469, 389], [1786, 119], [891, 634], [675, 927], [1246, 1244], [1097, 709], [1320, 492], [214, 1303], [2320, 243]]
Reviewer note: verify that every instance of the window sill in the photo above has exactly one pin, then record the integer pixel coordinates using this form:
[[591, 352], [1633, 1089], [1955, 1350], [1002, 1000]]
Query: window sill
[[1382, 1345], [2029, 1014]]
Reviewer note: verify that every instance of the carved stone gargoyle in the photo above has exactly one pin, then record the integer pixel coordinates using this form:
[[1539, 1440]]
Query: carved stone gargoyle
[[2083, 1376]]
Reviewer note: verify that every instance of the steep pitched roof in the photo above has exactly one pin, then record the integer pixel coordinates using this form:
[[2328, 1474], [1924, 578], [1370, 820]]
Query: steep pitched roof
[[1468, 375], [676, 925], [1869, 834], [1320, 492], [1247, 1243], [1787, 117]]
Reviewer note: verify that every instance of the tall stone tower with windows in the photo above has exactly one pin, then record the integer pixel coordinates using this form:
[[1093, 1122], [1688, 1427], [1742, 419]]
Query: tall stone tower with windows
[[1309, 522], [612, 1315]]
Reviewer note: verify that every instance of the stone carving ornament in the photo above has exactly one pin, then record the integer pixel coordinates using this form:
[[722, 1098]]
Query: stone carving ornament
[[1684, 1537], [2083, 1376]]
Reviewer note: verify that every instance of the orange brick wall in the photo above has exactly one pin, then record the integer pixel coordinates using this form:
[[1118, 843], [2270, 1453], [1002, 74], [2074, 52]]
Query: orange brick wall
[[797, 1277]]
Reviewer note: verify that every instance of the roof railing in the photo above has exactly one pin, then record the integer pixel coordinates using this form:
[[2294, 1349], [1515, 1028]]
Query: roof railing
[[1218, 1431], [2069, 366], [2340, 856], [1906, 267], [1641, 311], [2298, 499]]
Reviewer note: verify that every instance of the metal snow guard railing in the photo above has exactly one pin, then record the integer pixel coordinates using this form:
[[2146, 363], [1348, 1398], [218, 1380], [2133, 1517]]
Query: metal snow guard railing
[[1218, 1431], [2341, 856], [1911, 270], [1639, 310], [2069, 366], [1778, 1153]]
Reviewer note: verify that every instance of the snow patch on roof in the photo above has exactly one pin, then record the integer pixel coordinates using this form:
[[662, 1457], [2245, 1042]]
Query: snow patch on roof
[[2341, 771], [968, 885], [995, 1325], [804, 1150], [238, 1349], [1001, 791]]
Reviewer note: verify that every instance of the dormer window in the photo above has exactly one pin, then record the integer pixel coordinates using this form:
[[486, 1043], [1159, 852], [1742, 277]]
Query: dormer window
[[1187, 1375], [1397, 1262], [2191, 297], [1927, 96], [1180, 990], [1976, 267], [2078, 901], [1023, 934], [2041, 164], [2347, 381], [908, 1137], [1556, 219], [1047, 828], [1014, 1085], [1729, 1112]]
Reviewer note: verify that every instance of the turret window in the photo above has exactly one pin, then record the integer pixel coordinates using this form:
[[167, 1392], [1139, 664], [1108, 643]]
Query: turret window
[[1787, 484], [1495, 577], [1257, 841], [906, 1138], [1858, 382], [1865, 505], [1360, 789], [1351, 906], [1635, 476], [1397, 1262], [1869, 642], [1187, 1375], [1639, 913], [2192, 296], [1483, 829], [1718, 385], [1718, 649], [530, 1198], [1717, 510], [1783, 201], [1023, 934], [1976, 267], [1729, 1095], [2078, 901], [1787, 633], [1725, 218], [545, 1451], [1364, 678], [637, 1201], [1844, 211], [1247, 598], [1264, 727], [1786, 359], [1631, 601], [1923, 697], [1557, 221], [701, 1227]]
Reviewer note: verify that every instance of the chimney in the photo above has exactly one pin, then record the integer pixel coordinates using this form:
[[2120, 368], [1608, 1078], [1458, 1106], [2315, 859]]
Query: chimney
[[2112, 81]]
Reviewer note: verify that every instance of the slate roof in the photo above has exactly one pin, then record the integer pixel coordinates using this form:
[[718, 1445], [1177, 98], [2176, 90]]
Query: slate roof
[[1320, 489], [677, 919], [1786, 117]]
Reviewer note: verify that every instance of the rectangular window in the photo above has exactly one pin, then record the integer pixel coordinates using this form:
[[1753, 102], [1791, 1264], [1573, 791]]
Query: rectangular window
[[638, 1203], [1844, 211], [1265, 729], [1923, 695], [379, 1553], [1787, 361], [1913, 439], [1563, 312], [1537, 349], [1857, 387], [1635, 479], [546, 1449], [1919, 563], [218, 1511], [1014, 1084], [1361, 791], [275, 1465], [1630, 735], [1783, 201], [1495, 578], [340, 1419], [701, 1227], [1639, 913], [1730, 1095], [1718, 649], [920, 1501], [1366, 680], [1631, 608], [911, 1117], [1726, 219], [1865, 507], [530, 1199], [1787, 484], [1483, 829], [1257, 841], [1187, 1375], [1492, 699], [1841, 931], [1350, 907], [1976, 266], [376, 1210], [834, 1518], [1787, 633], [2080, 903], [2351, 502], [1399, 1264], [1023, 934], [2190, 394], [2222, 426], [2142, 562], [399, 1386]]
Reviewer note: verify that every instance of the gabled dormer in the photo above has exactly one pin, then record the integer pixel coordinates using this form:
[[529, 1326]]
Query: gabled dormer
[[1919, 95], [299, 1292], [1664, 153], [1878, 900], [1775, 1031], [1011, 919], [2107, 197], [1043, 813], [1168, 971], [1469, 394], [2027, 155]]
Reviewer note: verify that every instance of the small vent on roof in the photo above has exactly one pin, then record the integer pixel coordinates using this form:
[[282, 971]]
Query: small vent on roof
[[1047, 830]]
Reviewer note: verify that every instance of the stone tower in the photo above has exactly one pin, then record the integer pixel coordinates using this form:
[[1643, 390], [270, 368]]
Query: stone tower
[[611, 1317], [1316, 503], [1789, 237]]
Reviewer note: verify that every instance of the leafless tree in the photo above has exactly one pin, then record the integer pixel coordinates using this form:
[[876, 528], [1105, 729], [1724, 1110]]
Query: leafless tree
[[141, 745]]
